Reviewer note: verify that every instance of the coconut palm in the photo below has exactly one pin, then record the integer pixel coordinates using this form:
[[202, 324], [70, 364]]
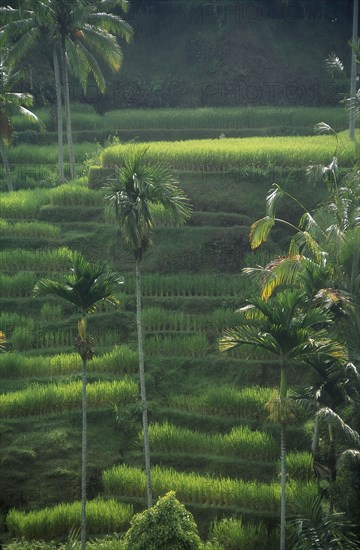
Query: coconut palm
[[85, 287], [139, 187], [11, 103], [80, 34], [86, 33], [282, 328]]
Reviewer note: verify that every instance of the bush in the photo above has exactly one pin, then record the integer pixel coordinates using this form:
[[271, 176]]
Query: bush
[[165, 526]]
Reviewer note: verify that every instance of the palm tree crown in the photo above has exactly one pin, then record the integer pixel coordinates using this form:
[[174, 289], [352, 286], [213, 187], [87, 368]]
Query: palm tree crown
[[137, 189]]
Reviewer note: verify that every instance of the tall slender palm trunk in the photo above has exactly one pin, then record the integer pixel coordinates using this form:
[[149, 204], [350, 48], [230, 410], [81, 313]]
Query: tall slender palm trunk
[[83, 455], [59, 115], [6, 163], [283, 486], [68, 113], [142, 386], [315, 437], [283, 413]]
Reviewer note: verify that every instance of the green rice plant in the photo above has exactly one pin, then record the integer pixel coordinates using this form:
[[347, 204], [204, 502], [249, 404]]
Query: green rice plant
[[156, 319], [121, 360], [29, 229], [26, 153], [181, 345], [241, 442], [75, 193], [39, 399], [232, 153], [246, 403], [18, 284], [84, 117], [233, 533], [208, 490], [48, 523], [106, 543], [23, 338], [299, 466], [21, 330], [51, 312], [222, 118], [23, 204], [19, 259], [222, 318], [184, 284]]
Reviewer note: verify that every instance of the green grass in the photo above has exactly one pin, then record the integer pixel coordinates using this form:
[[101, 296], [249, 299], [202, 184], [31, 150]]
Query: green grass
[[246, 404], [39, 399], [221, 154], [102, 516], [121, 360], [84, 117], [241, 442], [208, 490]]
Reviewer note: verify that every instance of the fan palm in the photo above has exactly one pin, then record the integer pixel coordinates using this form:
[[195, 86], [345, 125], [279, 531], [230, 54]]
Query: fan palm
[[138, 188], [85, 287], [282, 328], [80, 32], [11, 103]]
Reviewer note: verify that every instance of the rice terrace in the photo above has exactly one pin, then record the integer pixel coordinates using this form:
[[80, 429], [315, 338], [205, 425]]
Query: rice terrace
[[180, 275]]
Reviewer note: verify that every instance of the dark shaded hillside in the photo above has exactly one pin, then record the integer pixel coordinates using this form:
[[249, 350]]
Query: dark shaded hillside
[[190, 53]]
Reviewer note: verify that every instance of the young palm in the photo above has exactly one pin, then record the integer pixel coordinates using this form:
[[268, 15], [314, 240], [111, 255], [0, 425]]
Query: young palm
[[138, 188], [11, 103], [282, 328], [85, 287]]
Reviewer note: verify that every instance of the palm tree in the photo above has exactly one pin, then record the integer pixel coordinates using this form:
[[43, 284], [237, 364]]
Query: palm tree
[[317, 528], [80, 32], [85, 287], [86, 35], [137, 189], [11, 103], [282, 328]]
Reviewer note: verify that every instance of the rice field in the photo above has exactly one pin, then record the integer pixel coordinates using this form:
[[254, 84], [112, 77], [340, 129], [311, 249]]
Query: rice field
[[120, 360], [193, 345], [84, 117], [207, 490], [184, 284], [102, 516], [241, 404], [29, 229], [23, 204], [232, 153], [241, 442], [39, 399], [233, 533], [39, 261]]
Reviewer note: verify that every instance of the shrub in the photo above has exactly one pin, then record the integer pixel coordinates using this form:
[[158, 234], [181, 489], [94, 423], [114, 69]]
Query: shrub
[[165, 526]]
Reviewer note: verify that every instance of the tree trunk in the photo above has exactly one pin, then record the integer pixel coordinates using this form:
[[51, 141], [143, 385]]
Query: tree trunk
[[59, 116], [142, 387], [283, 486], [353, 71], [283, 420], [83, 457], [8, 177], [316, 436], [68, 113]]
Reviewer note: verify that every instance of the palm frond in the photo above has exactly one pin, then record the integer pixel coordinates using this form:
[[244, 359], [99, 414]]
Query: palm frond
[[260, 230], [276, 192], [327, 415], [103, 45], [333, 63]]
